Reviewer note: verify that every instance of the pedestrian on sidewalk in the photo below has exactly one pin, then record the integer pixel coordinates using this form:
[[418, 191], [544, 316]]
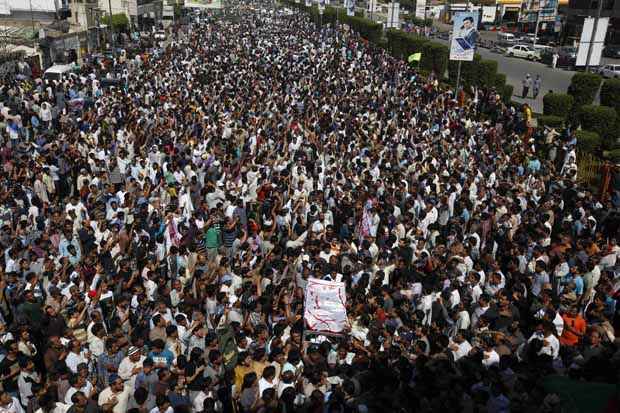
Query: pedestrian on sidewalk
[[536, 86], [527, 83]]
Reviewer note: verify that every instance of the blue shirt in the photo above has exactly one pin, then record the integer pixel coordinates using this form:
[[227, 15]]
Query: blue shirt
[[63, 248], [164, 356], [578, 285]]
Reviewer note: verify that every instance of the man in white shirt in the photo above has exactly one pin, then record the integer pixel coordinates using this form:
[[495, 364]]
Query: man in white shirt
[[9, 404], [459, 347], [551, 345], [131, 365], [76, 356], [78, 384], [114, 397], [268, 381]]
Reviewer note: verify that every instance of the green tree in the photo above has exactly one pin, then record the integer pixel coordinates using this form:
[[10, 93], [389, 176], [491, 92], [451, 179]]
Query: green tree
[[120, 21]]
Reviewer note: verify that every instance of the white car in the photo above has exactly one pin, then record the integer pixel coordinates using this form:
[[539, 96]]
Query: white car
[[160, 35], [523, 51], [612, 71]]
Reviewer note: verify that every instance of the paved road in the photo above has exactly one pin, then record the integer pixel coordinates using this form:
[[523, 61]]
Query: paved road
[[515, 70]]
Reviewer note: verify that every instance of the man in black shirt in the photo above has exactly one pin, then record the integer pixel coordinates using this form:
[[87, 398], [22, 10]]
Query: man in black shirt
[[9, 368]]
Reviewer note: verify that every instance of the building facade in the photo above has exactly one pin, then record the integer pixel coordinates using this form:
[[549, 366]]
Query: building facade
[[578, 10]]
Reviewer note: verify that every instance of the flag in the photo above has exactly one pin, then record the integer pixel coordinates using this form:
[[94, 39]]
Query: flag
[[416, 57], [227, 346]]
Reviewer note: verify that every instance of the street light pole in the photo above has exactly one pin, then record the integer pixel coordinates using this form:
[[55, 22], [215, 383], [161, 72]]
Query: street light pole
[[593, 36], [111, 29], [34, 42]]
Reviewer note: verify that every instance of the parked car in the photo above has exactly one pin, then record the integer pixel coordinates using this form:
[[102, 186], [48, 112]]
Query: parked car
[[529, 38], [610, 71], [612, 51], [58, 72], [506, 39], [523, 51]]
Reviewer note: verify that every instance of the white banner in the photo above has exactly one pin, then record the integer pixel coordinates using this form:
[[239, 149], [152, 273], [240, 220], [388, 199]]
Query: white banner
[[420, 7], [592, 41], [350, 5], [325, 306], [393, 17], [203, 4], [372, 6], [464, 36]]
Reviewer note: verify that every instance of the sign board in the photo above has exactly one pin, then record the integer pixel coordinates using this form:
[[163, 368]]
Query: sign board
[[541, 10], [325, 306], [168, 11], [393, 17], [420, 8], [595, 41], [350, 5], [464, 36], [203, 4], [372, 6], [488, 14]]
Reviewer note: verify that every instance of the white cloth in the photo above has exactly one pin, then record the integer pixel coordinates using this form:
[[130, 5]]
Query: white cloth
[[122, 398]]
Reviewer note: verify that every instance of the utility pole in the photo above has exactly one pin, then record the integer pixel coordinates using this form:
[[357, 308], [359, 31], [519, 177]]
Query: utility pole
[[593, 36], [537, 22], [111, 29], [34, 36]]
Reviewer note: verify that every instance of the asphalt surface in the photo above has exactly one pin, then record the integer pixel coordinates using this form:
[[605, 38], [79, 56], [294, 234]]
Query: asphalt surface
[[515, 70]]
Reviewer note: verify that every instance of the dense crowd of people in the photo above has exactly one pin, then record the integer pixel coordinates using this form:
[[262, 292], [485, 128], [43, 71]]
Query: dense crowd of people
[[241, 158]]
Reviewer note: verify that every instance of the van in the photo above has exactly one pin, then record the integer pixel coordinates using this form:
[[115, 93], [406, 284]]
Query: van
[[58, 72], [506, 39]]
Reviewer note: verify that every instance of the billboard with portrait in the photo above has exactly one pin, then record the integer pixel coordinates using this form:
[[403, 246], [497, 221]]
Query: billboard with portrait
[[464, 36]]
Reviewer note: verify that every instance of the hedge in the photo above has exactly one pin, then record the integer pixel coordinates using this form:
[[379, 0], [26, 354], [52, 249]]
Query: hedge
[[610, 94], [366, 28], [500, 81], [557, 104], [120, 21], [434, 55], [487, 69], [550, 121], [403, 44], [599, 119], [506, 93], [583, 88], [469, 71], [613, 155], [587, 141]]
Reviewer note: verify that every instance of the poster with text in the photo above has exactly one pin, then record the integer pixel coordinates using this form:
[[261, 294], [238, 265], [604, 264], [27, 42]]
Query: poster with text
[[464, 36], [325, 306]]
